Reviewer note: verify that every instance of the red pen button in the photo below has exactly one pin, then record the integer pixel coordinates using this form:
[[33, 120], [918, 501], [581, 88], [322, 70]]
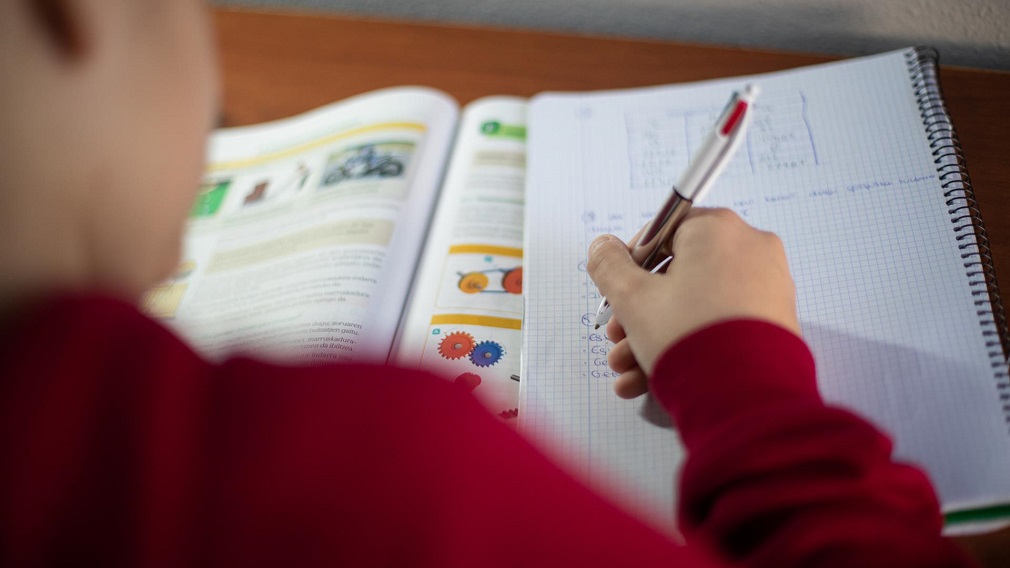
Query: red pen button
[[734, 118]]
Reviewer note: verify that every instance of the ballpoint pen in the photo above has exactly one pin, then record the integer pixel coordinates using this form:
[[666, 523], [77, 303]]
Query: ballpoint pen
[[710, 160]]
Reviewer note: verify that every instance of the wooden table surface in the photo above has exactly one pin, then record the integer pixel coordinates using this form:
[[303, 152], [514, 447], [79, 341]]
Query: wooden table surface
[[279, 65]]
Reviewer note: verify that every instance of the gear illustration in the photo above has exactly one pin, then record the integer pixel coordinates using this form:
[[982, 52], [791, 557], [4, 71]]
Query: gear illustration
[[487, 353], [468, 381], [473, 282], [456, 345], [512, 282], [509, 414]]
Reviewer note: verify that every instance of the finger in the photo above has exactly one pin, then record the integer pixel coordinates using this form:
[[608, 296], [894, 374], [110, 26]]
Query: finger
[[701, 223], [631, 384], [615, 331], [611, 267], [620, 358]]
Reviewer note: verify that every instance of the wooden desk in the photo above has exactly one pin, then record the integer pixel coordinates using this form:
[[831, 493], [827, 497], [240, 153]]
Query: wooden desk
[[277, 66]]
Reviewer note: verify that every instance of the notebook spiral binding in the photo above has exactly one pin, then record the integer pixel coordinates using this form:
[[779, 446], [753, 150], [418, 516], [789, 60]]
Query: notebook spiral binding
[[964, 213]]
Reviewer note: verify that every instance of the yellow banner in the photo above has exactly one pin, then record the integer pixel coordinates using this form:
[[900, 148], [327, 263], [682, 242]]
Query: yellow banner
[[467, 319]]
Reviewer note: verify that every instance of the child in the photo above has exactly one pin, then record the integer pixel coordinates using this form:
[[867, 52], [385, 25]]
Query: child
[[121, 446]]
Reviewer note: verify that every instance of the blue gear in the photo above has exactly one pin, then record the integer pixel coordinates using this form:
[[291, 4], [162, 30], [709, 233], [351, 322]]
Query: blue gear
[[487, 353]]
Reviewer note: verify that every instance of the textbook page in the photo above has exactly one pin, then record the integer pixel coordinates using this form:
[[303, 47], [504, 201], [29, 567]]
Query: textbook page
[[305, 234], [837, 163], [465, 313]]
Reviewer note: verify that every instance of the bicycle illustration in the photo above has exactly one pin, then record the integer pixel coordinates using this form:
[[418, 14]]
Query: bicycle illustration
[[364, 162]]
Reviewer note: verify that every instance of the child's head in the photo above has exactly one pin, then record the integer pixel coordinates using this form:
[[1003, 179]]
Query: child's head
[[104, 109]]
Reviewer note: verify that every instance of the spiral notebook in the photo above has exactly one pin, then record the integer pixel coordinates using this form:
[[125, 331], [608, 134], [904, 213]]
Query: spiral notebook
[[856, 165]]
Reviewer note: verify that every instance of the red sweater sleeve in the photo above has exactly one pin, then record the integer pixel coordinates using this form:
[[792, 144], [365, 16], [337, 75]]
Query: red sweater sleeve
[[120, 446], [775, 477]]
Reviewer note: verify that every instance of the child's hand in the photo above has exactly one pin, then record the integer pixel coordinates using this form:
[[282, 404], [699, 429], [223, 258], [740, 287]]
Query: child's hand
[[722, 269]]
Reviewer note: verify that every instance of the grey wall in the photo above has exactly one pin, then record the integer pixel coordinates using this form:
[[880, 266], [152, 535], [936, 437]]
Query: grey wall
[[972, 33]]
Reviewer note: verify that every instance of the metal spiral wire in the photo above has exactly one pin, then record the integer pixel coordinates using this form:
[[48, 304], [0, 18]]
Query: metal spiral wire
[[972, 239]]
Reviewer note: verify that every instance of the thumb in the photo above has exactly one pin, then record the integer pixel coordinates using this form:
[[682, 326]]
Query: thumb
[[611, 267]]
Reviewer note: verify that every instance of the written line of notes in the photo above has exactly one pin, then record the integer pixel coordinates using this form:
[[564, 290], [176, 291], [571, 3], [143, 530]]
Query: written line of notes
[[596, 346]]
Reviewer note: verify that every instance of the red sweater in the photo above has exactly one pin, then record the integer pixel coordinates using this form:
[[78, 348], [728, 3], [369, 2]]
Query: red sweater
[[119, 445]]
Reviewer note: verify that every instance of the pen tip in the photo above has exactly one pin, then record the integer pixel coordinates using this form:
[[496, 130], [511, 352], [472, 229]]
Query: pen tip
[[597, 326]]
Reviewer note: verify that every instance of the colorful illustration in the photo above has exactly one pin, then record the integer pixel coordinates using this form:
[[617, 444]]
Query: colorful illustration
[[264, 190], [478, 281], [512, 282], [376, 160], [482, 277], [472, 282], [469, 381], [257, 194], [459, 344], [209, 198], [456, 345], [479, 353], [487, 353], [509, 414], [494, 128]]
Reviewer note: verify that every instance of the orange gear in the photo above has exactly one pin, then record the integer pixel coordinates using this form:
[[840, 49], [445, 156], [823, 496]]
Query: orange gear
[[513, 281], [456, 345], [473, 282]]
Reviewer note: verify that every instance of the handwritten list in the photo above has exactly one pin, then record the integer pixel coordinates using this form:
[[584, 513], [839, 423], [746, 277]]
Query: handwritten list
[[662, 141]]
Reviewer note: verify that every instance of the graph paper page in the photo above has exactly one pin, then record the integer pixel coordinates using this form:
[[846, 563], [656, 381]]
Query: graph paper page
[[836, 162]]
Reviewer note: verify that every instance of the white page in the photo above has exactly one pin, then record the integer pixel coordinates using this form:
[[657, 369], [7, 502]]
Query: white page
[[465, 313], [304, 241], [836, 162]]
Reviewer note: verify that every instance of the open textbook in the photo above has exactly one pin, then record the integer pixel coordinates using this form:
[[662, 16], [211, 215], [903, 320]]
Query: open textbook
[[391, 227], [305, 241]]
